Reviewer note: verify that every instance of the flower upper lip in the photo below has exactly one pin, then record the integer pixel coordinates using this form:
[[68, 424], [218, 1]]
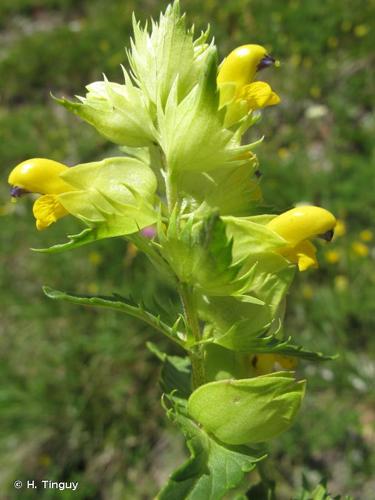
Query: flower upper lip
[[265, 62]]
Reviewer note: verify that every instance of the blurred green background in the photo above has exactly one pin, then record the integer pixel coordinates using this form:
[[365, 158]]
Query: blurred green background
[[78, 391]]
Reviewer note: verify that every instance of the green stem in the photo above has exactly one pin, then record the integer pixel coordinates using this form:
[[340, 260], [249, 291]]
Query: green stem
[[194, 332], [186, 294], [171, 192]]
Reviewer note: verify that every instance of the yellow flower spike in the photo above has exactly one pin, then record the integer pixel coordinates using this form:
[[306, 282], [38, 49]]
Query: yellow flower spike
[[297, 226], [302, 223], [40, 175], [241, 65]]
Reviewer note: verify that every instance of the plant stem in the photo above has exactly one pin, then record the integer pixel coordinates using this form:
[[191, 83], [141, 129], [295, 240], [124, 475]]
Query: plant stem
[[194, 332], [186, 293], [170, 187]]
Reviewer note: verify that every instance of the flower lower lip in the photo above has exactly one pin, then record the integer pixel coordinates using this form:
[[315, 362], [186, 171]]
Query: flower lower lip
[[17, 192], [267, 61]]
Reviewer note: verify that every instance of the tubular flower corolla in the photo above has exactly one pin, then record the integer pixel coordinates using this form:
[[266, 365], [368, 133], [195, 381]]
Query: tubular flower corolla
[[42, 176], [267, 363], [238, 92], [297, 226]]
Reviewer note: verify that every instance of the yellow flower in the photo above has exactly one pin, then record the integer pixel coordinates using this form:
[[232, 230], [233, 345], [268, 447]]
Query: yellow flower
[[307, 291], [40, 175], [360, 249], [267, 363], [361, 30], [95, 258], [238, 91], [340, 228], [366, 235], [332, 256], [341, 283], [241, 65], [297, 226]]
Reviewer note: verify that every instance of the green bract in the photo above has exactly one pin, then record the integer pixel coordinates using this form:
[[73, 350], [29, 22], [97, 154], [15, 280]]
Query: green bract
[[114, 195], [247, 411], [118, 112], [166, 57]]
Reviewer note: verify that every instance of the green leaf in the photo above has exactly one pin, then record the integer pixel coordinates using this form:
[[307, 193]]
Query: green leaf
[[86, 236], [117, 303], [213, 468], [118, 112], [247, 411], [271, 344], [320, 492], [114, 195], [175, 376]]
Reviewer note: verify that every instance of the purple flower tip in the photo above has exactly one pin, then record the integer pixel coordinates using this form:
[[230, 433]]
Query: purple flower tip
[[149, 232], [17, 191], [267, 61]]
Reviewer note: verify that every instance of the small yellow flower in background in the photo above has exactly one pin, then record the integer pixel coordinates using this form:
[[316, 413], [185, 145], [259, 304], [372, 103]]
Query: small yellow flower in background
[[315, 92], [332, 256], [6, 209], [340, 228], [283, 153], [42, 176], [238, 91], [45, 460], [341, 283], [295, 60], [307, 62], [361, 30], [131, 253], [360, 249], [366, 235], [307, 291], [104, 45], [95, 258], [267, 363], [297, 226], [332, 42], [346, 26]]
